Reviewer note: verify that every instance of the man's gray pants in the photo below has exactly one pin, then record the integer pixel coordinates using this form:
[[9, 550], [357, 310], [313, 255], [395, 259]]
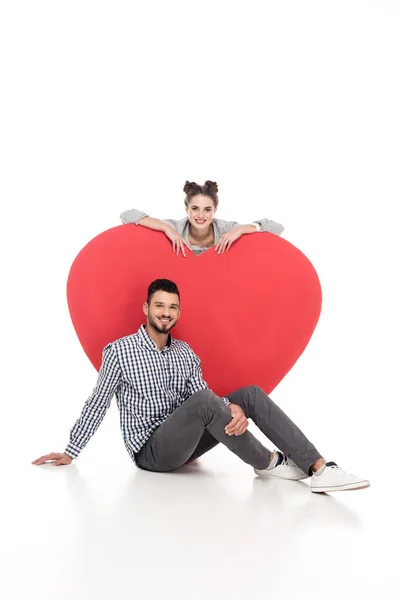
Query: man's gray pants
[[198, 425]]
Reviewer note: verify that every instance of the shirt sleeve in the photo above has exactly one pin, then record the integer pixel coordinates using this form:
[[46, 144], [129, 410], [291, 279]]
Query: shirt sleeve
[[228, 226], [97, 404], [132, 216], [196, 382], [269, 226]]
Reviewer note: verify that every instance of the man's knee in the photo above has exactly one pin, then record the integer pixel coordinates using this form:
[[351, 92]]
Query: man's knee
[[203, 398], [257, 392], [205, 404], [248, 396], [255, 389]]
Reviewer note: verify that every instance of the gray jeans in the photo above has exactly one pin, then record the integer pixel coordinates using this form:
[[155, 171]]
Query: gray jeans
[[199, 424]]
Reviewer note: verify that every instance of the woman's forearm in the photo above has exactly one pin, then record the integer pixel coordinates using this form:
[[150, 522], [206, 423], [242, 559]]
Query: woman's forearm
[[247, 229], [152, 223]]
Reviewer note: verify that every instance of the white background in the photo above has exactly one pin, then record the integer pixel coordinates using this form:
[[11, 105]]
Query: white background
[[293, 108]]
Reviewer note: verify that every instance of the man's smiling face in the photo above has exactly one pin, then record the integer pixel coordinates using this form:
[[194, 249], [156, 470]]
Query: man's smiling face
[[163, 311]]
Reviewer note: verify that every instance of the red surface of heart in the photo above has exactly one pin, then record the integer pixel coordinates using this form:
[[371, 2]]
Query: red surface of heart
[[248, 314]]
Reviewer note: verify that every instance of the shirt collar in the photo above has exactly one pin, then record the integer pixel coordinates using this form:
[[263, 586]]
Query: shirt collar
[[147, 341]]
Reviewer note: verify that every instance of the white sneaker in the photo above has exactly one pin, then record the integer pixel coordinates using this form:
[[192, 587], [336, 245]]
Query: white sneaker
[[286, 470], [334, 479]]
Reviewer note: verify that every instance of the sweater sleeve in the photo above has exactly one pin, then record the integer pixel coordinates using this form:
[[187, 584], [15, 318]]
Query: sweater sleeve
[[132, 216], [269, 226]]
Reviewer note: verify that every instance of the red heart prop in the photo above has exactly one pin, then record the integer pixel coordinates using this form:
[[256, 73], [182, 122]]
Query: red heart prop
[[248, 314]]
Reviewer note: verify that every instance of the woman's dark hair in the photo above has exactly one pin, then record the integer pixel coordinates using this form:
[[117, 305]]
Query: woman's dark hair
[[163, 285], [210, 189]]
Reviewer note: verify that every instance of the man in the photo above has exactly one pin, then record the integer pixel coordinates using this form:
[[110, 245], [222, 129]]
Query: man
[[169, 417]]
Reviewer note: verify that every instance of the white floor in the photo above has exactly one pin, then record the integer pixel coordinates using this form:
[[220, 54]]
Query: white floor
[[101, 528]]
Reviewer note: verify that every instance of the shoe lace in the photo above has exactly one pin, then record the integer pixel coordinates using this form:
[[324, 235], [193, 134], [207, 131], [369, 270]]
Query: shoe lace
[[339, 471]]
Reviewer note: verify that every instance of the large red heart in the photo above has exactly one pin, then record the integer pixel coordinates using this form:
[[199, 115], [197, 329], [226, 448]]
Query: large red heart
[[248, 314]]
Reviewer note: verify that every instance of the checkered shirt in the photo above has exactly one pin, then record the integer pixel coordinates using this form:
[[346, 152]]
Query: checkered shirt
[[149, 385]]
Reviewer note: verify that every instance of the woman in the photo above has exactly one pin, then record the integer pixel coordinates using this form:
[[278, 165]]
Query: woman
[[199, 231]]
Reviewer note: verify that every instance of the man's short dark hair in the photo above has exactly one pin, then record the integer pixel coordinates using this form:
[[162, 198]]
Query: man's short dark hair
[[162, 285]]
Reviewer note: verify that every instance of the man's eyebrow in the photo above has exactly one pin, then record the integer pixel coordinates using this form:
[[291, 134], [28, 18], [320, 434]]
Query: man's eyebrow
[[163, 303]]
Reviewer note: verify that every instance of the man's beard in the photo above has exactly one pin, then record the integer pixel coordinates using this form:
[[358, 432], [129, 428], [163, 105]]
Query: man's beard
[[159, 327]]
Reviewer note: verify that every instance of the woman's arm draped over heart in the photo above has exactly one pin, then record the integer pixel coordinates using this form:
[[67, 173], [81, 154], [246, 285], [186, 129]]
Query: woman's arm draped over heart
[[138, 217], [266, 226]]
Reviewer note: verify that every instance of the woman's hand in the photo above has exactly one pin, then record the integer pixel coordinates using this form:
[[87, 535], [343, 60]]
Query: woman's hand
[[178, 243], [227, 240]]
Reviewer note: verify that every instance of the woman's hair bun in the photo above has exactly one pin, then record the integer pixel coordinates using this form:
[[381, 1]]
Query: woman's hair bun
[[192, 189], [191, 186], [211, 185]]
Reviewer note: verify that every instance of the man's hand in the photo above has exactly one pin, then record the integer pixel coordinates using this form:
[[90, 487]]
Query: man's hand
[[55, 458], [239, 422]]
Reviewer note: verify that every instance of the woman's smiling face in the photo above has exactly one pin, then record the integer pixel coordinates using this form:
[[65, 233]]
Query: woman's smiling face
[[201, 211]]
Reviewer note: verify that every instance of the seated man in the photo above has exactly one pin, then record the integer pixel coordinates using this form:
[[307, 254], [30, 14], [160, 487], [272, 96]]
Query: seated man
[[169, 417]]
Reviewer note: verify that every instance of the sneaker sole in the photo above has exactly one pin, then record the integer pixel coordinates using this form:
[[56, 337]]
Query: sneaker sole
[[342, 488], [264, 475]]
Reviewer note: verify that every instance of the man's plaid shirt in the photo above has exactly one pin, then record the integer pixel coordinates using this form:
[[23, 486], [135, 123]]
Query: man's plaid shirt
[[149, 385]]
